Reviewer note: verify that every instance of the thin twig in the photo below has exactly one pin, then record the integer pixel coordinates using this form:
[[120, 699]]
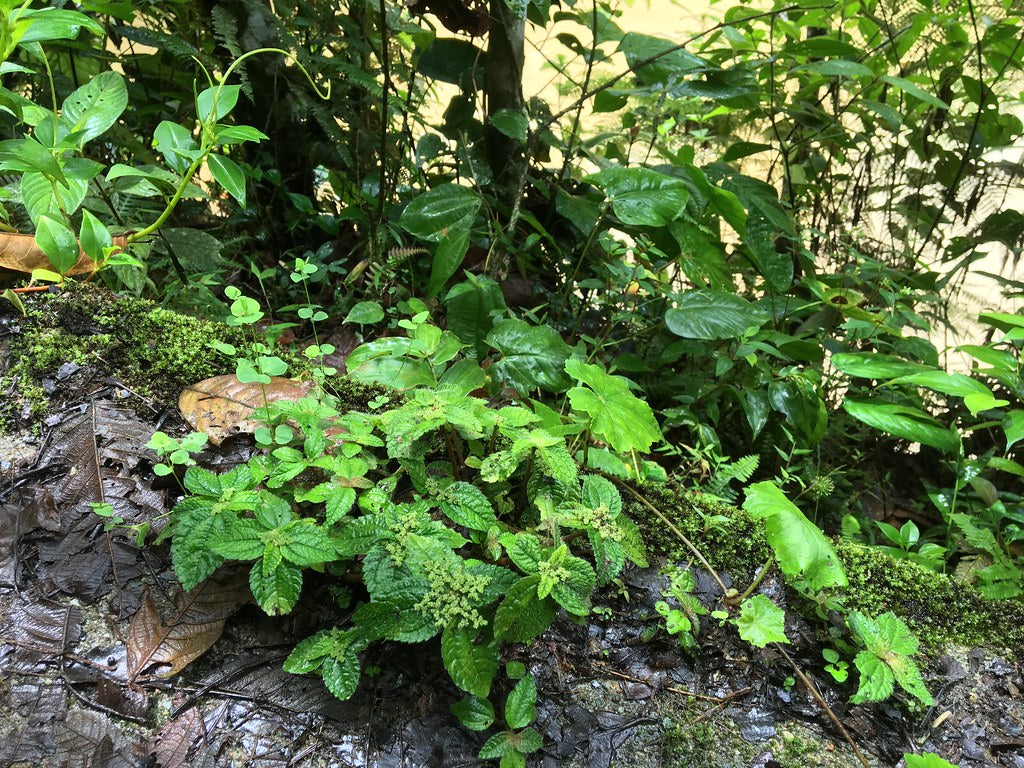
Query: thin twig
[[823, 704], [679, 534]]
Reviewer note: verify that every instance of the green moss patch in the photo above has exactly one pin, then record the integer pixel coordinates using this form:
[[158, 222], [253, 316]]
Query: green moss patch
[[940, 610], [153, 351]]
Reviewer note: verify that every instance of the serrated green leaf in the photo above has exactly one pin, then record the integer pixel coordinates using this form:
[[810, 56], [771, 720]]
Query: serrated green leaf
[[471, 665], [526, 742], [306, 543], [573, 590], [358, 536], [620, 418], [761, 622], [466, 505], [341, 675], [526, 552], [309, 654], [277, 591], [497, 746], [599, 491], [522, 615], [239, 541], [876, 679]]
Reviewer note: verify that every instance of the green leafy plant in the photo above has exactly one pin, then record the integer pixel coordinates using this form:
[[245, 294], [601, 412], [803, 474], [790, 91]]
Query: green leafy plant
[[886, 658]]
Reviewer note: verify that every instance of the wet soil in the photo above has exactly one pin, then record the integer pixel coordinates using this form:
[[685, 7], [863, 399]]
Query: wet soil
[[84, 680]]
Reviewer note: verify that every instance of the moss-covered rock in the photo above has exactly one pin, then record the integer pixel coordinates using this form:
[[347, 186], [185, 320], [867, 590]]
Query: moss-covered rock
[[940, 610], [151, 350]]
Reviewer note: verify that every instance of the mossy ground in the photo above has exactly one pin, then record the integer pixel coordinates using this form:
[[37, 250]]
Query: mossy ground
[[151, 350], [940, 610]]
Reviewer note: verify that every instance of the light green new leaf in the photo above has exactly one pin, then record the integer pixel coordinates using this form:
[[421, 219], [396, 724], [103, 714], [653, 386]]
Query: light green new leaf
[[800, 547], [761, 622], [876, 679], [617, 416]]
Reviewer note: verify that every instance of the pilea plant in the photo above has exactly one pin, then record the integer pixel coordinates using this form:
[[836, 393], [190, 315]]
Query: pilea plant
[[459, 519]]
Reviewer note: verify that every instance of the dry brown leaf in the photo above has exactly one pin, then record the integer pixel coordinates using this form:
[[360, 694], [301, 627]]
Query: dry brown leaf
[[20, 253], [222, 406], [156, 649]]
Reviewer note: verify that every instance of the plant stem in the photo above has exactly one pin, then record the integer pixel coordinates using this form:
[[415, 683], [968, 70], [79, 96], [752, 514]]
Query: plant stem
[[823, 704], [679, 534]]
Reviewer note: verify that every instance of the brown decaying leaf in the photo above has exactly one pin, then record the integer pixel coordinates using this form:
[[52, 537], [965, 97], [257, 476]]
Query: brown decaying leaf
[[158, 649], [100, 452], [20, 253], [33, 509], [36, 632], [222, 406], [90, 739]]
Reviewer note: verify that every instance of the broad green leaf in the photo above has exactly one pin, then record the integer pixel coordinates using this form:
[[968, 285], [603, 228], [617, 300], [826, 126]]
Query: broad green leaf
[[94, 237], [1013, 427], [228, 175], [927, 760], [573, 590], [93, 108], [761, 622], [471, 665], [956, 384], [444, 215], [48, 24], [668, 67], [474, 713], [532, 356], [599, 491], [525, 551], [641, 196], [42, 197], [913, 89], [27, 154], [836, 68], [176, 144], [365, 313], [871, 365], [618, 416], [236, 134], [904, 422], [511, 122], [468, 309], [521, 705], [800, 547], [225, 97], [58, 243], [708, 314]]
